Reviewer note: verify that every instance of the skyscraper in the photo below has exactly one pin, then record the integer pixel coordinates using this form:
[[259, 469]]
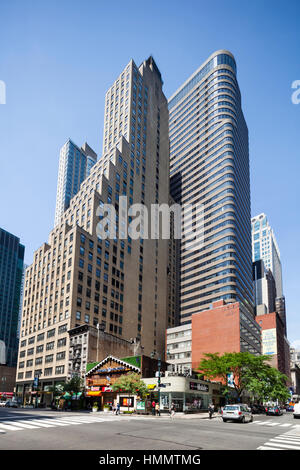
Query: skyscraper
[[264, 246], [11, 270], [79, 277], [74, 166], [209, 165]]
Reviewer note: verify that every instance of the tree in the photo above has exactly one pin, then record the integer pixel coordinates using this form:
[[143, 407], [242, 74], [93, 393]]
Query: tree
[[269, 385], [131, 384], [74, 385], [249, 372]]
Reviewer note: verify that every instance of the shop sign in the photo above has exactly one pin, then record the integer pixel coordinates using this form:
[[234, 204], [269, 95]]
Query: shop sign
[[111, 369], [151, 386], [199, 387]]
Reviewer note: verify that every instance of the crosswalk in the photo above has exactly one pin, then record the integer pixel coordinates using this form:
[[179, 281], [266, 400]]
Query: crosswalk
[[287, 441], [47, 422], [273, 424]]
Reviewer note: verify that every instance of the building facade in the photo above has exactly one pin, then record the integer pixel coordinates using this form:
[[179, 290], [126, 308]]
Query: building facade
[[89, 344], [75, 165], [81, 276], [179, 348], [11, 269], [209, 165], [222, 329], [265, 247], [274, 342], [264, 289]]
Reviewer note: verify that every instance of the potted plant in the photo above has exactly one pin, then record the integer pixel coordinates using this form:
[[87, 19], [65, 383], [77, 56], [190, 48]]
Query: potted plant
[[95, 407], [106, 408]]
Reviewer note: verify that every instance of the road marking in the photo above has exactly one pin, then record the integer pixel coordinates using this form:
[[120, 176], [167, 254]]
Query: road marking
[[41, 423], [289, 440], [21, 424], [283, 446], [267, 448], [54, 422], [8, 427], [73, 420]]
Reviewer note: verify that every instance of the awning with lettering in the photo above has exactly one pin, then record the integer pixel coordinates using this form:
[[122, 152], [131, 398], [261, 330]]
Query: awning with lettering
[[93, 394]]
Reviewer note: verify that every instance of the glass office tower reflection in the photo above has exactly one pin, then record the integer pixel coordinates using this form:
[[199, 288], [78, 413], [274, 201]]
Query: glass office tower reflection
[[209, 164]]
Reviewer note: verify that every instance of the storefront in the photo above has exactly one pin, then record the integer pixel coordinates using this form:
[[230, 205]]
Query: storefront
[[5, 396], [187, 394], [99, 381]]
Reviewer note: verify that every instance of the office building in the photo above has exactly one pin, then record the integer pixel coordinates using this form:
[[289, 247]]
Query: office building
[[209, 165], [11, 269], [264, 246], [80, 276], [264, 289], [75, 165]]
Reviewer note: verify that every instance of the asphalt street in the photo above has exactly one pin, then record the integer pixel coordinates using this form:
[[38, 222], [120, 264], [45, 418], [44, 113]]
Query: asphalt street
[[22, 429]]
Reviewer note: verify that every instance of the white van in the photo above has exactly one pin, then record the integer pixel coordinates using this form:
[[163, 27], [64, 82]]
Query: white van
[[296, 412]]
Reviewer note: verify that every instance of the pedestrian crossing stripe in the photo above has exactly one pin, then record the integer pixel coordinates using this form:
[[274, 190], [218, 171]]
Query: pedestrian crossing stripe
[[19, 425], [287, 441], [267, 423]]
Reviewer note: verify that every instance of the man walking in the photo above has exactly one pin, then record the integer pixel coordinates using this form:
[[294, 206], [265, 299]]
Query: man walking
[[211, 410], [157, 409], [172, 410]]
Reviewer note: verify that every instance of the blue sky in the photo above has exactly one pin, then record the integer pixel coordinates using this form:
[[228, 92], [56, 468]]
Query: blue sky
[[58, 58]]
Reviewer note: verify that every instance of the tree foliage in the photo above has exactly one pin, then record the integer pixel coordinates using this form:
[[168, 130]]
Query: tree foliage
[[131, 384], [75, 385], [249, 372]]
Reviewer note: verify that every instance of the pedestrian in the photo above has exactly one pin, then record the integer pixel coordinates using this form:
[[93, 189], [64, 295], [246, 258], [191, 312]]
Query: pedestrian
[[172, 410], [153, 408], [118, 409], [211, 410], [157, 409]]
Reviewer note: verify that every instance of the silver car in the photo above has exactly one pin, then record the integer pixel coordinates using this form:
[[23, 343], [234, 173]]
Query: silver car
[[238, 412]]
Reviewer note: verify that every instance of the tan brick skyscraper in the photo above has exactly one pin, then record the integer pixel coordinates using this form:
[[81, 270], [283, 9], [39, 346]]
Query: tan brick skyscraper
[[78, 278]]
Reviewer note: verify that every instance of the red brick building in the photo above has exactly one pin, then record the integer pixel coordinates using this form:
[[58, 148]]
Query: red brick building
[[274, 341], [224, 328]]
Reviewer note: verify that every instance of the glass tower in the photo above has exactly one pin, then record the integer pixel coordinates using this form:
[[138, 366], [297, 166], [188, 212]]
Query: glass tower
[[75, 165], [11, 272], [209, 165], [264, 246]]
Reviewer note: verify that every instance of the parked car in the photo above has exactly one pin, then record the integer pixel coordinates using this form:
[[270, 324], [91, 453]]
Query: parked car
[[274, 410], [2, 402], [257, 409], [238, 412], [296, 412], [11, 404]]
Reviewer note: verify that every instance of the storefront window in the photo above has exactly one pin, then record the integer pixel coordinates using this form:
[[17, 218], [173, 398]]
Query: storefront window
[[126, 401]]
